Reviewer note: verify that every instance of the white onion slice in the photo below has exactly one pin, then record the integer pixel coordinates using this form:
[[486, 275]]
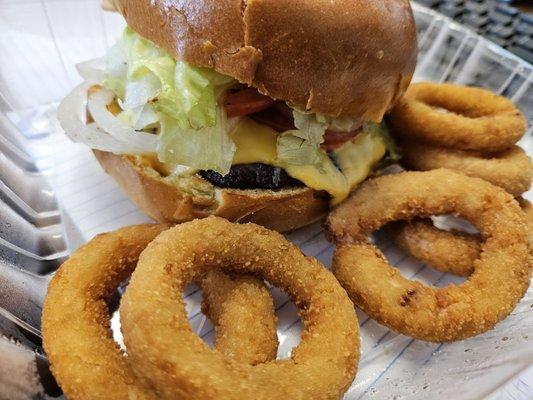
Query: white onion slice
[[115, 60], [92, 70], [97, 104], [71, 114], [141, 117], [140, 92]]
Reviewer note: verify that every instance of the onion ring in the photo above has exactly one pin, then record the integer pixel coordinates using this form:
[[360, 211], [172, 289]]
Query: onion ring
[[86, 361], [511, 169], [500, 277], [526, 206], [473, 118], [241, 308], [448, 251], [182, 366]]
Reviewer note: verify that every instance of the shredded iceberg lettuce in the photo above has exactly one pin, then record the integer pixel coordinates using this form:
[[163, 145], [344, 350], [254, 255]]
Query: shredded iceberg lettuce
[[310, 127], [140, 117], [181, 102], [152, 87], [302, 145], [211, 148]]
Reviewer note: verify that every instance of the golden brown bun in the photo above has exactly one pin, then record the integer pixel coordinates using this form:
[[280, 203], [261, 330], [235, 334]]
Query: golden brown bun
[[339, 58], [282, 210]]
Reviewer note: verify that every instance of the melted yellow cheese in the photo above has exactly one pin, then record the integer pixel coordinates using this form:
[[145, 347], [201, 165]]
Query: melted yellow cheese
[[324, 176], [256, 143], [358, 157]]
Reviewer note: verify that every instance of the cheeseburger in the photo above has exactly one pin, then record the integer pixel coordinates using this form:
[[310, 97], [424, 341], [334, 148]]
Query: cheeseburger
[[260, 110]]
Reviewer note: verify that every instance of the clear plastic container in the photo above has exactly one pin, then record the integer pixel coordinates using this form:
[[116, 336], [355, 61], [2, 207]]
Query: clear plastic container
[[45, 181]]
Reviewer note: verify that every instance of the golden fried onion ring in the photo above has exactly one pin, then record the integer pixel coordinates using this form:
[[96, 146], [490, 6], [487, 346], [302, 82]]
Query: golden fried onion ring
[[85, 359], [168, 355], [511, 169], [448, 251], [458, 117], [242, 311], [500, 278]]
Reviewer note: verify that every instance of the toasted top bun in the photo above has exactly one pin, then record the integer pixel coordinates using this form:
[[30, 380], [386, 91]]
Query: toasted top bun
[[281, 210], [339, 58]]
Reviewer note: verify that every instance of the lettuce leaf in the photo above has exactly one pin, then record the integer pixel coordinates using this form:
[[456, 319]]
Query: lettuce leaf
[[310, 127], [152, 87], [207, 148], [141, 117], [199, 89], [294, 150], [302, 145]]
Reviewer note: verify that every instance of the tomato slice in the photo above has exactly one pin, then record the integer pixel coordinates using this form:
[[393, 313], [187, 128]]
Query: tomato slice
[[278, 117], [246, 101], [333, 140]]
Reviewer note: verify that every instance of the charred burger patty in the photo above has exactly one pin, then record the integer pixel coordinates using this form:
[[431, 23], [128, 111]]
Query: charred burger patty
[[251, 176]]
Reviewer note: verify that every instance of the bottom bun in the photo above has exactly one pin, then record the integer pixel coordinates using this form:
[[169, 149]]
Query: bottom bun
[[170, 202]]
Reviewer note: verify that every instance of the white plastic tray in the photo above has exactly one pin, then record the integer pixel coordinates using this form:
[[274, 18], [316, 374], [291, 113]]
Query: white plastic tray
[[40, 41]]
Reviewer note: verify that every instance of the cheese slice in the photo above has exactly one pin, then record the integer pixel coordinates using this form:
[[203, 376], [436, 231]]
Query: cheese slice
[[256, 143], [358, 157]]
